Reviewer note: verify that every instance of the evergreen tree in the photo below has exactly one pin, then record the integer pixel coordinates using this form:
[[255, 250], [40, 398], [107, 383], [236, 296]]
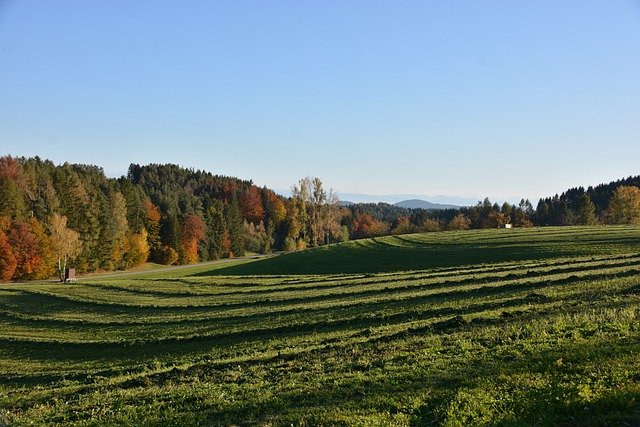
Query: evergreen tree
[[233, 220], [215, 230], [585, 213]]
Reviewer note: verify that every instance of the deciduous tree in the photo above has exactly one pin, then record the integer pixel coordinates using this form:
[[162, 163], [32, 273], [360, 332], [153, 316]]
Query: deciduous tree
[[26, 250], [151, 221], [192, 232], [251, 205], [8, 262], [66, 242], [460, 222], [624, 207]]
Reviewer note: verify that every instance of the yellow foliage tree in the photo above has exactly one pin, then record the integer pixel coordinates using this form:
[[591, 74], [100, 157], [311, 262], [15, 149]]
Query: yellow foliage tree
[[624, 207], [66, 242]]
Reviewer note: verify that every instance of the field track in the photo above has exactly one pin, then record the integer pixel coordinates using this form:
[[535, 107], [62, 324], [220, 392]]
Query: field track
[[524, 327]]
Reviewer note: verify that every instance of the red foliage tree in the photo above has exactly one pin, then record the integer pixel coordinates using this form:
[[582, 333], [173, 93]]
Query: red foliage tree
[[25, 249], [366, 226], [363, 225], [8, 262], [11, 168], [251, 205]]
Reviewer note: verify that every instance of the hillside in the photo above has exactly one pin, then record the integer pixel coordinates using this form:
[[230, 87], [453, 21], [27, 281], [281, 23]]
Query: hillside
[[448, 249], [550, 339]]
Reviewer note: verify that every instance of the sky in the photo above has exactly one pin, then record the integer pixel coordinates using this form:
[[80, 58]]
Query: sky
[[467, 98]]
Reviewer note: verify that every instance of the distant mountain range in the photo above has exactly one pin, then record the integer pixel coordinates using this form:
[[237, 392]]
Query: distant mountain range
[[419, 200], [411, 204], [423, 204]]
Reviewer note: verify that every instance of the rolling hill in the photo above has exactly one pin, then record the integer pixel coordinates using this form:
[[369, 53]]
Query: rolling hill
[[489, 327]]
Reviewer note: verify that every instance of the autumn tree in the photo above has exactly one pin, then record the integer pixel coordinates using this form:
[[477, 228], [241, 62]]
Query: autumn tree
[[66, 242], [624, 207], [460, 222], [366, 226], [27, 251], [402, 225], [317, 200], [275, 214], [192, 232], [46, 268], [151, 222], [251, 205], [136, 249], [299, 210], [523, 213], [8, 262], [334, 230], [313, 213], [495, 219], [296, 214]]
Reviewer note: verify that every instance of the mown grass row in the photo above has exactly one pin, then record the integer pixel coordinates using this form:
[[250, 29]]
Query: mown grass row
[[538, 340]]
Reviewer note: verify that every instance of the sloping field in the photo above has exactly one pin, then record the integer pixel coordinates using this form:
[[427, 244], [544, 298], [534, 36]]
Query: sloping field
[[498, 327], [450, 249]]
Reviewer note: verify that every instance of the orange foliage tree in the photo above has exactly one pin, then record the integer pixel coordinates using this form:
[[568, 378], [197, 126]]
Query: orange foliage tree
[[366, 226], [275, 209], [8, 262], [251, 205], [191, 232], [25, 250], [152, 225]]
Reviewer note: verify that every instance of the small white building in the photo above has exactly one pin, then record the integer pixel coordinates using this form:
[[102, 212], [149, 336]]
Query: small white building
[[505, 226]]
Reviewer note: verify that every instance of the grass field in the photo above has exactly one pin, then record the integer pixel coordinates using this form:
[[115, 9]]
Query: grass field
[[491, 327]]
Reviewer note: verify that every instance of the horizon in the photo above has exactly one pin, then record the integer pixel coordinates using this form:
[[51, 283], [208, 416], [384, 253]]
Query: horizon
[[506, 101]]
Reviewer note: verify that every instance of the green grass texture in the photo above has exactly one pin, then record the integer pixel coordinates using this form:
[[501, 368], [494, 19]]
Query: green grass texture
[[536, 327]]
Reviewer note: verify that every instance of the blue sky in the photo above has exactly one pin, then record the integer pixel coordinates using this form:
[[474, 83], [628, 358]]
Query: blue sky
[[505, 99]]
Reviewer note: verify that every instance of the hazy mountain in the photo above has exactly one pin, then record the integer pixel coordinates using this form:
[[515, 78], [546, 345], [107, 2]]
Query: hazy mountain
[[455, 201], [423, 204]]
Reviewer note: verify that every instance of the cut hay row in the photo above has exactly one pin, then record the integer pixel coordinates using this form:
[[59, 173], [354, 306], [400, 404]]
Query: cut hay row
[[531, 340]]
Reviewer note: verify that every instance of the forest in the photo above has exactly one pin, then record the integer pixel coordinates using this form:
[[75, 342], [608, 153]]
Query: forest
[[72, 215]]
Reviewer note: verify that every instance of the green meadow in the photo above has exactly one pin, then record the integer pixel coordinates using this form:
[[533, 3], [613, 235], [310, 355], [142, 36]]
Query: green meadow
[[516, 327]]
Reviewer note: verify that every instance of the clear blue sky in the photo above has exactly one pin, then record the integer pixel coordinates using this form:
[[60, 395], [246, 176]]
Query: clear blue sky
[[505, 99]]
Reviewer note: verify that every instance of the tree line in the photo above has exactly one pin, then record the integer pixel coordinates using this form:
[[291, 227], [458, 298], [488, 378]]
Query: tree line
[[71, 215]]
